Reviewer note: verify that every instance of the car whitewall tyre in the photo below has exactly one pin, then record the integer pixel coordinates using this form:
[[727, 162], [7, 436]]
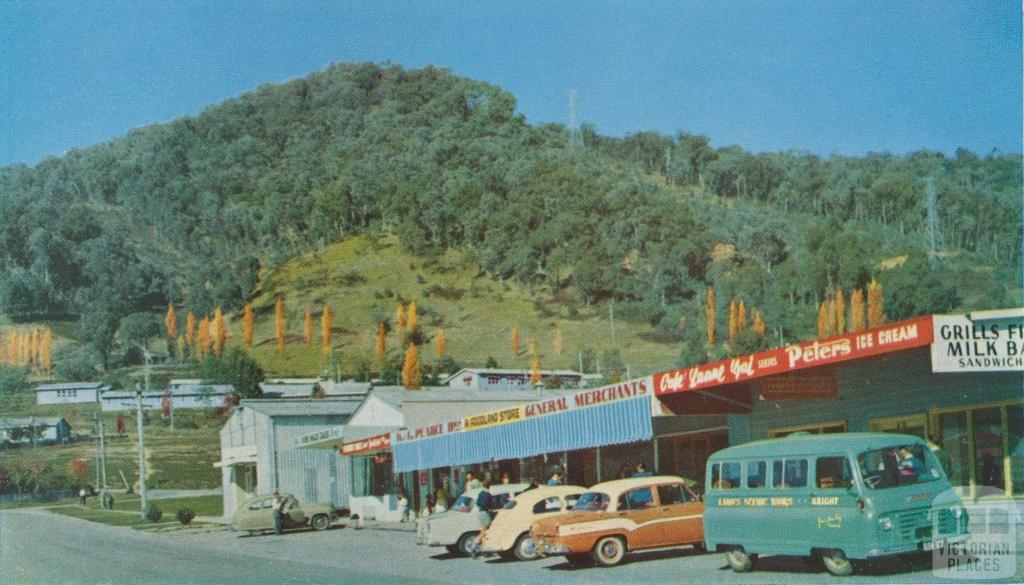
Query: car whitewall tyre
[[609, 551]]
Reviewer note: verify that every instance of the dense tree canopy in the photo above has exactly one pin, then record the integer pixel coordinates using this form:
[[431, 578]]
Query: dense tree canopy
[[190, 211]]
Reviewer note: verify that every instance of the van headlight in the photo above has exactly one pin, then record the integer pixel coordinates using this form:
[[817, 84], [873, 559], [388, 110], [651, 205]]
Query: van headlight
[[885, 523]]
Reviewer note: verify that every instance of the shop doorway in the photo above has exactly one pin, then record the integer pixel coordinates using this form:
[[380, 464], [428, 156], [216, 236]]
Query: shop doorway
[[687, 455]]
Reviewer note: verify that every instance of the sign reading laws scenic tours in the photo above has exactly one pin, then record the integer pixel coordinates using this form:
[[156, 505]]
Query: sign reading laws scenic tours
[[963, 344], [840, 348]]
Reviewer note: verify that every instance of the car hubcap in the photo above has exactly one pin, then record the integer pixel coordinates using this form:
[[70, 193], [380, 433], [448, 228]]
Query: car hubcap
[[610, 550], [528, 547]]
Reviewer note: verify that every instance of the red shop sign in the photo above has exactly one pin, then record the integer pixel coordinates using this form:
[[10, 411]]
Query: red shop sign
[[840, 348]]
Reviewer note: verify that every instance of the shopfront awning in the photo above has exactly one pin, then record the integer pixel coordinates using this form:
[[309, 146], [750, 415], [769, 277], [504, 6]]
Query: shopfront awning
[[611, 423]]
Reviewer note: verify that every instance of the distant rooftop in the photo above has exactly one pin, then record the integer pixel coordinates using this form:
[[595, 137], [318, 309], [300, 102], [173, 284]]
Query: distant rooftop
[[70, 386], [304, 407]]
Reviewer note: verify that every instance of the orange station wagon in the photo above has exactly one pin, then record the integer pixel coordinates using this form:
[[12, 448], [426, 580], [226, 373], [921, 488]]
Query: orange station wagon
[[618, 516]]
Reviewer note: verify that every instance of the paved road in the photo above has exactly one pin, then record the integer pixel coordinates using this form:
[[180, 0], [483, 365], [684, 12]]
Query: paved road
[[37, 547]]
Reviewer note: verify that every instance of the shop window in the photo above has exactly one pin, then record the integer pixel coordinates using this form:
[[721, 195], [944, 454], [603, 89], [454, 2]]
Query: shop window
[[789, 473], [955, 443], [832, 472], [725, 475], [988, 447], [1015, 446], [756, 472]]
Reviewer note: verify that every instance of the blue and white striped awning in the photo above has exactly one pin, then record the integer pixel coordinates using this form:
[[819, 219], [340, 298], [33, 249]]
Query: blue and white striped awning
[[624, 421]]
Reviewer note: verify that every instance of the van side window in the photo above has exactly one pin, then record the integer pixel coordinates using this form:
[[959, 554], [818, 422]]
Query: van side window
[[833, 472], [725, 476], [757, 472], [789, 473]]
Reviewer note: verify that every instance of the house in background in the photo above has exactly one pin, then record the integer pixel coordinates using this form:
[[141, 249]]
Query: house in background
[[307, 387], [182, 396], [259, 454], [496, 379], [34, 430], [70, 393]]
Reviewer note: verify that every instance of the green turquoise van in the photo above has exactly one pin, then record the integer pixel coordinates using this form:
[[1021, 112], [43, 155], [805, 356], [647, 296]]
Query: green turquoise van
[[837, 497]]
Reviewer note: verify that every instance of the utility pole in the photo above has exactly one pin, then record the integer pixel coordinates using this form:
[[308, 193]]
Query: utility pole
[[103, 454], [96, 429], [142, 443], [611, 319], [575, 134]]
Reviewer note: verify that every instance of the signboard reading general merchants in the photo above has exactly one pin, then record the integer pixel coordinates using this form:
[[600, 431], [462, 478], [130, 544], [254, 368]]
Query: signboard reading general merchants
[[840, 348], [963, 344]]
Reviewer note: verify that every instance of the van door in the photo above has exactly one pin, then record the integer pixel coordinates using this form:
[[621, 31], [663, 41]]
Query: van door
[[837, 519], [785, 529]]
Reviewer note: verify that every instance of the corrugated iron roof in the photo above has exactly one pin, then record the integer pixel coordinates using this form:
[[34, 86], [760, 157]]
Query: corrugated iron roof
[[304, 407]]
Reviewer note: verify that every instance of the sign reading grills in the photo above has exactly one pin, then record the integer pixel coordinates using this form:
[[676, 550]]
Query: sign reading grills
[[963, 345]]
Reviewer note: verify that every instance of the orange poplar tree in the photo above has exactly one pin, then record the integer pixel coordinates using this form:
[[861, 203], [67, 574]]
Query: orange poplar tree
[[171, 322], [516, 346], [441, 343], [876, 310], [839, 317], [220, 332], [535, 376], [741, 317], [47, 350], [205, 336], [279, 324], [758, 325], [733, 329], [307, 326], [190, 328], [411, 376], [709, 313], [248, 324], [325, 330], [413, 321], [381, 348], [857, 310]]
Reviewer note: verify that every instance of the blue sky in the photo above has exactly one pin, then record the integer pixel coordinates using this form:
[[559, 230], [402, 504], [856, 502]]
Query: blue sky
[[828, 77]]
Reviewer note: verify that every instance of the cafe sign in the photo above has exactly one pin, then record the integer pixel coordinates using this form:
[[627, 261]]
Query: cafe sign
[[374, 443], [821, 352], [963, 344]]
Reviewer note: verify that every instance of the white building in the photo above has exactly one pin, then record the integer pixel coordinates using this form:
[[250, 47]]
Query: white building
[[182, 396], [70, 393], [259, 452], [497, 379]]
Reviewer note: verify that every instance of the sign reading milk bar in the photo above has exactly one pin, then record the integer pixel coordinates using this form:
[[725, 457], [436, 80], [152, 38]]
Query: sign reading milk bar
[[963, 345]]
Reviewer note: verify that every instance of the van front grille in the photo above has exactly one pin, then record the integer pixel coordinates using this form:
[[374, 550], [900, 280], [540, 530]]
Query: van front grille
[[924, 523]]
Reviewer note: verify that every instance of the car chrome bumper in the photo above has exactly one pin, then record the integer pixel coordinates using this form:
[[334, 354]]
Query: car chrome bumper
[[545, 549]]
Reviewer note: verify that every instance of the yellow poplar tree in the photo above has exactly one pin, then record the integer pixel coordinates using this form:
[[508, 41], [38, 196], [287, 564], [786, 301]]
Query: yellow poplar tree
[[857, 310], [12, 348], [732, 321], [33, 347], [171, 322], [709, 313], [400, 322], [516, 347], [413, 321], [876, 311], [441, 343], [381, 348], [823, 320], [839, 317], [190, 328], [220, 332], [741, 317], [535, 376], [325, 330], [411, 376], [307, 326], [181, 346], [279, 326], [558, 341], [248, 324]]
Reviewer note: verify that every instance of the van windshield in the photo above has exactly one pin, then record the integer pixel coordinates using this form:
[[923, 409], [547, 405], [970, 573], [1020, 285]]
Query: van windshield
[[898, 466]]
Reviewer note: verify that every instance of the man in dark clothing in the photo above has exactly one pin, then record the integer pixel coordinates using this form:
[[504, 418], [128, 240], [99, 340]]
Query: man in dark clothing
[[641, 470]]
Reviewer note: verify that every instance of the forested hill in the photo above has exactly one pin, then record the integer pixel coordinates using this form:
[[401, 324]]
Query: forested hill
[[191, 211]]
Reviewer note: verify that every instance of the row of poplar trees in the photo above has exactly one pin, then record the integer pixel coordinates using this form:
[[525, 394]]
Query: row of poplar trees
[[32, 349]]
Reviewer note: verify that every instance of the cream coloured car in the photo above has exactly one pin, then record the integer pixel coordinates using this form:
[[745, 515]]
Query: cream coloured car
[[508, 536]]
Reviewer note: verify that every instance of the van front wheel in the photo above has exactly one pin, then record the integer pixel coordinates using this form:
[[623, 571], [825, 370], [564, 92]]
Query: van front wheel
[[740, 561], [837, 563]]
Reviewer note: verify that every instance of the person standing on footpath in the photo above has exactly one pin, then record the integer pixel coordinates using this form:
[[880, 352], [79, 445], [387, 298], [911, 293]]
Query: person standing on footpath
[[277, 505], [472, 482], [556, 478], [641, 470]]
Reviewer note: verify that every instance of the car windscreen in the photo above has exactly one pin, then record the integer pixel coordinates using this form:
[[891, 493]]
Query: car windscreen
[[899, 465], [592, 502], [509, 505], [463, 504]]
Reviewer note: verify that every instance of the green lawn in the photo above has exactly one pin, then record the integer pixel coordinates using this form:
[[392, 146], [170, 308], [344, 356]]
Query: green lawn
[[126, 510]]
